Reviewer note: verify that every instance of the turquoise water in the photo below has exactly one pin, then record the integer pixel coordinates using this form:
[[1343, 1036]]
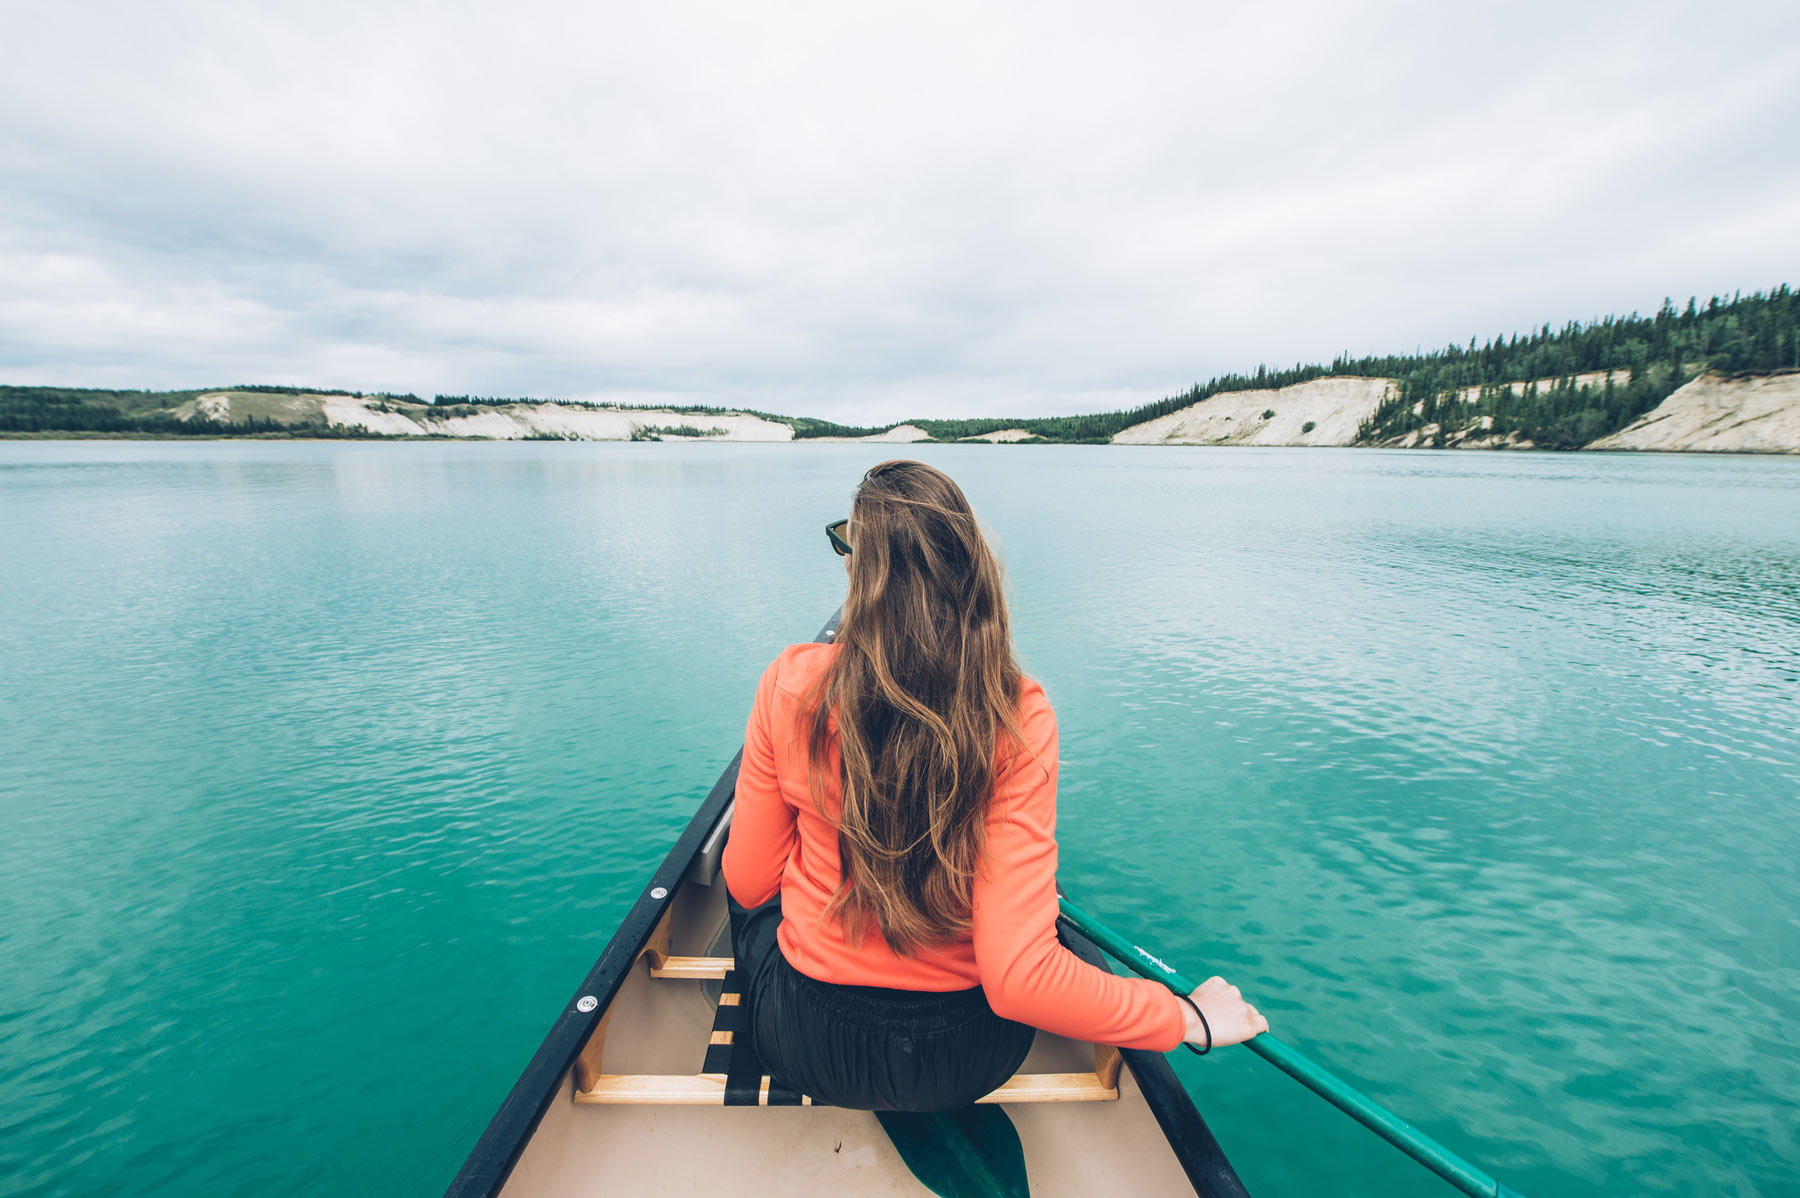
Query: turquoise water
[[328, 769]]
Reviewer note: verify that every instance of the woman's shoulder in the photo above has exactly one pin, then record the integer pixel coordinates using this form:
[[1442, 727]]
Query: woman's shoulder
[[797, 667], [1031, 696], [1037, 719], [1034, 704]]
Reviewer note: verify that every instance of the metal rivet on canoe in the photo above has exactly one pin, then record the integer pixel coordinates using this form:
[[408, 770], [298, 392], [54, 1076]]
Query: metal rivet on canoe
[[586, 1003], [660, 892]]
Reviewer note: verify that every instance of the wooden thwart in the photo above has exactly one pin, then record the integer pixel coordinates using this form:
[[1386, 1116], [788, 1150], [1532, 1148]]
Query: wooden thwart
[[708, 1089], [649, 1089], [697, 968]]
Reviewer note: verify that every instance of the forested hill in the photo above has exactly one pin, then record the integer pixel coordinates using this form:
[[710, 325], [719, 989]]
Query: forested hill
[[1758, 332], [1556, 388]]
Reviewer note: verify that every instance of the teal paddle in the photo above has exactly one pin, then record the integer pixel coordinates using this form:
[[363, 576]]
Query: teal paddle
[[1353, 1102], [969, 1153]]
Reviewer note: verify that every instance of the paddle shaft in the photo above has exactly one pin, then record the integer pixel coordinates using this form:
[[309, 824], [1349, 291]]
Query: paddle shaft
[[1352, 1102]]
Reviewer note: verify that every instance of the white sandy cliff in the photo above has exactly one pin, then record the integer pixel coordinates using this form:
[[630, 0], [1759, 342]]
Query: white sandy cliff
[[1750, 414], [1333, 406], [499, 422]]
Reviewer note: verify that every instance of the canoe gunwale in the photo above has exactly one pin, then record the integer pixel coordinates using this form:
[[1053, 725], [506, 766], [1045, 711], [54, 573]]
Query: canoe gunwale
[[1190, 1139], [492, 1159]]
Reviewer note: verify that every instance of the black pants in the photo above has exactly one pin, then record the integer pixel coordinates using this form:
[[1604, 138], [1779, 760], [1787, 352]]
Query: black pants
[[864, 1047]]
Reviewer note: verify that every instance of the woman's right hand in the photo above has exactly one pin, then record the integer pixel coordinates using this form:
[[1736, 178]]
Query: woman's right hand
[[1231, 1019]]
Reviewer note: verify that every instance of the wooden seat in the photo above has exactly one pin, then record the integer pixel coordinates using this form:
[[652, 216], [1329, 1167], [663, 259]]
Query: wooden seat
[[701, 968], [709, 1089], [732, 1074]]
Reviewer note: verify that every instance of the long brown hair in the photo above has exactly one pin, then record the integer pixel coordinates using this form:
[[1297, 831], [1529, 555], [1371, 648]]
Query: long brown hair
[[923, 687]]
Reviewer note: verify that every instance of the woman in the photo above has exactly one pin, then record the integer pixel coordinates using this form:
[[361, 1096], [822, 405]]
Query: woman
[[892, 858]]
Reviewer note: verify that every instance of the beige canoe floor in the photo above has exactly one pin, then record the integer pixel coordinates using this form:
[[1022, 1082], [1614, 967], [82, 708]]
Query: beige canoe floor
[[1071, 1148], [660, 1026], [1089, 1148]]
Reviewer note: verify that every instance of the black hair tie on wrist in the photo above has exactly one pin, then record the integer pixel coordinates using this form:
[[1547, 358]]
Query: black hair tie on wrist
[[1199, 1052]]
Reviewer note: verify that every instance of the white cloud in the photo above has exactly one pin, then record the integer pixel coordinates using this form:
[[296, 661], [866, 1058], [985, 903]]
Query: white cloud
[[862, 211]]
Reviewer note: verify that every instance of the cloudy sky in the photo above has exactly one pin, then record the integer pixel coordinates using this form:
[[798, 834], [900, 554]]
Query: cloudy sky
[[864, 211]]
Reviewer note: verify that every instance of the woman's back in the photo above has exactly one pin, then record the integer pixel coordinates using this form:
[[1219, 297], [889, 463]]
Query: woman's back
[[784, 843], [796, 852]]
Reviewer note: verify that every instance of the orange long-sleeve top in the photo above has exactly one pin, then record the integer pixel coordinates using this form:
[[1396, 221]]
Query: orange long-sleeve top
[[780, 843]]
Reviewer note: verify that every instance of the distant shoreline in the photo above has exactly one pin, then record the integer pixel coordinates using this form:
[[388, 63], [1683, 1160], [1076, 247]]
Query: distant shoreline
[[1708, 412], [377, 439], [1723, 377]]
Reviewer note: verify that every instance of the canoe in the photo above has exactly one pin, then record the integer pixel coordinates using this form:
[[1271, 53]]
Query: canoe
[[640, 1087]]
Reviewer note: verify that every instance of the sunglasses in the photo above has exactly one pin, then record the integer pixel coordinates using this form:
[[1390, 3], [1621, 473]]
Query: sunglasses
[[834, 532]]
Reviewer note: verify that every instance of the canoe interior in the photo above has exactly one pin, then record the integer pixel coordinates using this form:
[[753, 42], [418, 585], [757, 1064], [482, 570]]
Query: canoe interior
[[660, 1026]]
